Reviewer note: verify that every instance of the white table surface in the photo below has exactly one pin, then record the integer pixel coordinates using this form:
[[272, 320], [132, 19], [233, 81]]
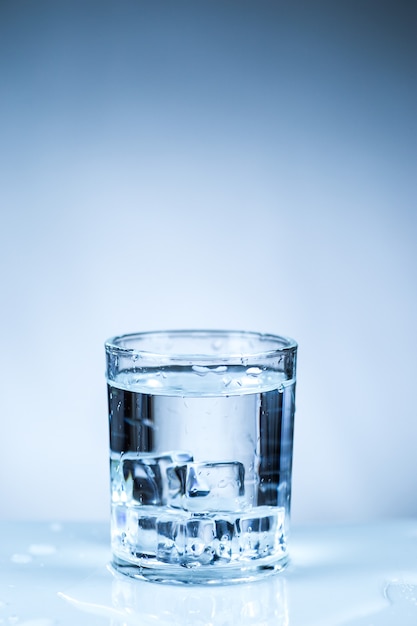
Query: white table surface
[[57, 574]]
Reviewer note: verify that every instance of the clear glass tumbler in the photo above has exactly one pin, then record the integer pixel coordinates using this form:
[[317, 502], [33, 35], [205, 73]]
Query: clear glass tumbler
[[201, 437]]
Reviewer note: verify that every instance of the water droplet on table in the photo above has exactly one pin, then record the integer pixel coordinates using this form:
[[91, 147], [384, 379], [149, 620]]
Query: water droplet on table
[[42, 549], [21, 558]]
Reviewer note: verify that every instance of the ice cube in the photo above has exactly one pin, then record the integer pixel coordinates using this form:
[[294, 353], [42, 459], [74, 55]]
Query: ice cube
[[225, 543], [144, 475], [199, 535], [261, 532], [141, 536], [214, 486], [176, 477], [171, 529], [185, 540], [143, 481]]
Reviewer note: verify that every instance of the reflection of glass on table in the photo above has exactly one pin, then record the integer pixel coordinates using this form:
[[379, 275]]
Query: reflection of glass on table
[[249, 605]]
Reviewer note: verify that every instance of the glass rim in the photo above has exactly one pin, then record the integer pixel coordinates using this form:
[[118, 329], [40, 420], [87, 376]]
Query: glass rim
[[284, 344]]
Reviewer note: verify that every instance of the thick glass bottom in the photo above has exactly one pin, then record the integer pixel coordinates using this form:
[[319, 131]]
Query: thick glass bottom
[[201, 575]]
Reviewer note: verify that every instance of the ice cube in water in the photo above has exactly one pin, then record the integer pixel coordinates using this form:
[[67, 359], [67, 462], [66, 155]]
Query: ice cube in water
[[144, 475], [261, 531], [208, 486]]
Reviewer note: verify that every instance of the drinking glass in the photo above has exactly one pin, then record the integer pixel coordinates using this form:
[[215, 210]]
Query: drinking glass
[[201, 438]]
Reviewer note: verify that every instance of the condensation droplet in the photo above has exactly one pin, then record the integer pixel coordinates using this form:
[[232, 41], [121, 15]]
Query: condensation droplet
[[201, 370], [152, 382], [149, 423], [217, 344], [254, 371]]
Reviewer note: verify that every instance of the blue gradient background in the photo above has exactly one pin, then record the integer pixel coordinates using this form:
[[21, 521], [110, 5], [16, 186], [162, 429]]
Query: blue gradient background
[[209, 164]]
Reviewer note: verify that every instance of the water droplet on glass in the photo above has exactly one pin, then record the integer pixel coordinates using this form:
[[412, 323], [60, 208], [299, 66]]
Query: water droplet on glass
[[221, 368], [217, 344], [253, 371], [201, 370], [152, 382]]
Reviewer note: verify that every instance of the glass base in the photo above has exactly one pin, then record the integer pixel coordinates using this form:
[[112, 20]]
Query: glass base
[[201, 575]]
